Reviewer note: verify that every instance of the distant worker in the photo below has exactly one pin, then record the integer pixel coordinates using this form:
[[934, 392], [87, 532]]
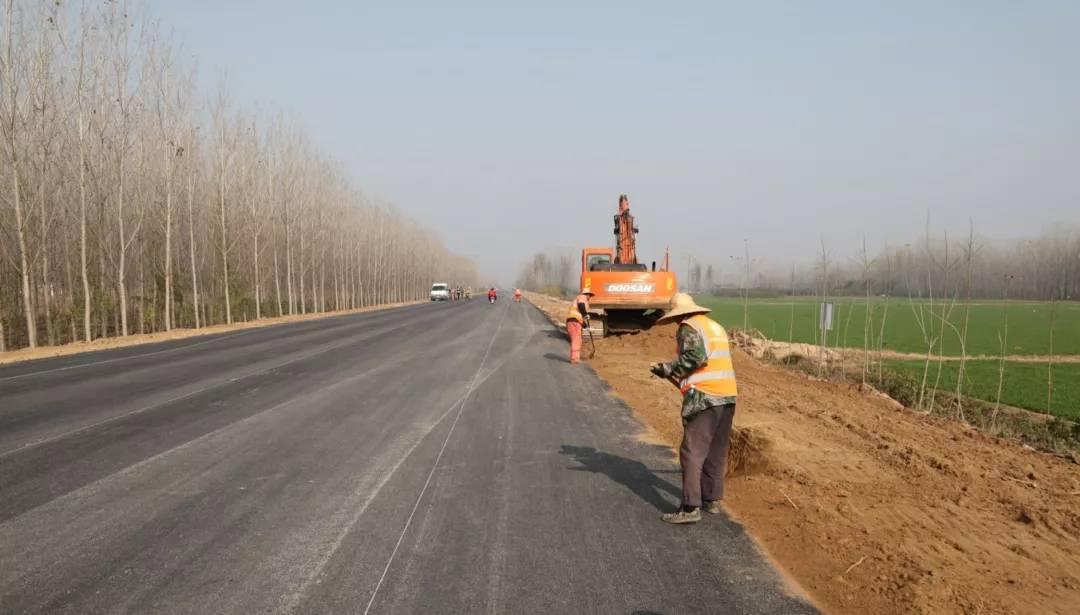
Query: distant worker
[[703, 372], [517, 295], [577, 317], [492, 295]]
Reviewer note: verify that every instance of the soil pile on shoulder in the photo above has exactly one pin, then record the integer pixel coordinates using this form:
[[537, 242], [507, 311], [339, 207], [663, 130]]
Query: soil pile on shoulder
[[874, 508]]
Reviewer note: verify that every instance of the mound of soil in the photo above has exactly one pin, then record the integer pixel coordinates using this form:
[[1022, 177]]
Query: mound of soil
[[870, 507]]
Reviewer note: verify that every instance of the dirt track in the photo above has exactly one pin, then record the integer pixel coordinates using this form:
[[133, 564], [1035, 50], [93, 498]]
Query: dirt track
[[874, 508]]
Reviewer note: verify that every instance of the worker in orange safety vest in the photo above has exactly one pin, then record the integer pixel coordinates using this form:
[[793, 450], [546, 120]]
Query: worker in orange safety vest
[[577, 317]]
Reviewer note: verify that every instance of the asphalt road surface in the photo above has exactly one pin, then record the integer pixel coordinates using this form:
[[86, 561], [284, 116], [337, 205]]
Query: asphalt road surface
[[433, 458]]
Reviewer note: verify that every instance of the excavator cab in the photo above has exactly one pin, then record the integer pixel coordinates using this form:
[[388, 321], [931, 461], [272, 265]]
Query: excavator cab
[[596, 261]]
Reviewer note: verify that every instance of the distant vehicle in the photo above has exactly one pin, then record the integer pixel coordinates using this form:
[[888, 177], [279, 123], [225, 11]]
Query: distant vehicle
[[440, 291]]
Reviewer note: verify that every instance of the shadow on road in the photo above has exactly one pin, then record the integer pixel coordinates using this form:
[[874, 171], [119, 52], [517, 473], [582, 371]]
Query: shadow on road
[[557, 334], [557, 357], [634, 475]]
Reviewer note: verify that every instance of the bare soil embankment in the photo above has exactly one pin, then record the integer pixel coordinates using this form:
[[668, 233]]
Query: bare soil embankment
[[870, 507], [43, 352]]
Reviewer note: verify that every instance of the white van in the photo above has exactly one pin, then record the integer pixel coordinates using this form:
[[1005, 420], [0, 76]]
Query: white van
[[440, 291]]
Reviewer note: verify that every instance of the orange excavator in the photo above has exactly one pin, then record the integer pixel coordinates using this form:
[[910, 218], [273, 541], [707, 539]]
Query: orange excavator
[[627, 295]]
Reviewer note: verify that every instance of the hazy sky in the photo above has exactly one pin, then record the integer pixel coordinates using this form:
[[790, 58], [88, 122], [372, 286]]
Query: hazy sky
[[513, 126]]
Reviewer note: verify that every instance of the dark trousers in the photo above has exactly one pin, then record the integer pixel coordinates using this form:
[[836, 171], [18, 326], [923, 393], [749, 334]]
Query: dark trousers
[[703, 454]]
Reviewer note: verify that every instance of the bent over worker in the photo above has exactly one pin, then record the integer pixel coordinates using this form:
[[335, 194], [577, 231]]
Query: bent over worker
[[704, 373], [577, 316]]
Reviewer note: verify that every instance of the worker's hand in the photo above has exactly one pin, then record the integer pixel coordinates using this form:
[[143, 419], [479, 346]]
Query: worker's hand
[[660, 369]]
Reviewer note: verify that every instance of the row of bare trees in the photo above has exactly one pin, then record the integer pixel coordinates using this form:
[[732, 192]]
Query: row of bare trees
[[549, 274], [1040, 268], [128, 204]]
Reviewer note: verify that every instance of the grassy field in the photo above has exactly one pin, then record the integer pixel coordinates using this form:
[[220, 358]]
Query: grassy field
[[1023, 386], [1029, 325], [786, 319]]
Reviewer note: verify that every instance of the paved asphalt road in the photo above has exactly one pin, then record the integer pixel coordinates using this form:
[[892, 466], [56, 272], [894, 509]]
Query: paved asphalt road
[[432, 458]]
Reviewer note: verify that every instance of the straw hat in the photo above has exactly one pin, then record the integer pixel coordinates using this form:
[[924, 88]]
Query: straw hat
[[587, 291], [683, 306]]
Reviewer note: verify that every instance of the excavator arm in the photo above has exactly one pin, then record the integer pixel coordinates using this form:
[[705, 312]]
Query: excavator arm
[[625, 238]]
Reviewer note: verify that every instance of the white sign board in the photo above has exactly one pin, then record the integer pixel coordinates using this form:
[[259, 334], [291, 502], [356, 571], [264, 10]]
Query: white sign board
[[826, 317]]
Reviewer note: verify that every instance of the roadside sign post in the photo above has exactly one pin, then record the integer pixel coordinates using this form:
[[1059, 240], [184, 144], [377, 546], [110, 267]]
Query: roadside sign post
[[826, 317], [825, 320]]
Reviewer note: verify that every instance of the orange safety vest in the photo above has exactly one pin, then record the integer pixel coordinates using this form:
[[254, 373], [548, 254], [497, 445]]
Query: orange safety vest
[[717, 376], [573, 313]]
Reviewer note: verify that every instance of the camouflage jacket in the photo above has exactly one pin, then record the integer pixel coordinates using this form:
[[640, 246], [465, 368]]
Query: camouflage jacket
[[691, 356]]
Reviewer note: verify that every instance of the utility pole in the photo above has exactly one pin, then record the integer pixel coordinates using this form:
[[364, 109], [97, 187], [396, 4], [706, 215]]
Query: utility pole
[[746, 288]]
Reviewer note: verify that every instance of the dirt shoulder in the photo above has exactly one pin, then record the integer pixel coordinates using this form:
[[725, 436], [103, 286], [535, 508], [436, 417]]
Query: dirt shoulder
[[44, 352], [870, 507]]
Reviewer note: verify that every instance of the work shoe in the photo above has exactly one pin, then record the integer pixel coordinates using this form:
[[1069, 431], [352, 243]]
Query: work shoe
[[714, 507], [682, 516]]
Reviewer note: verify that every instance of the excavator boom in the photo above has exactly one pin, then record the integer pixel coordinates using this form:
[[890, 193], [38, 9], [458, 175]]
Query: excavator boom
[[625, 238]]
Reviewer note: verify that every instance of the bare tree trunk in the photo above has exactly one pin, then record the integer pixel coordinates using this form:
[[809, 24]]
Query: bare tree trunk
[[116, 317], [24, 263], [1050, 358], [961, 368], [255, 274], [824, 299], [43, 254], [191, 239], [1003, 345], [142, 297], [70, 299], [121, 287], [224, 242], [168, 256], [122, 69], [277, 283], [288, 260], [43, 106], [303, 266], [88, 333], [11, 125], [103, 319]]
